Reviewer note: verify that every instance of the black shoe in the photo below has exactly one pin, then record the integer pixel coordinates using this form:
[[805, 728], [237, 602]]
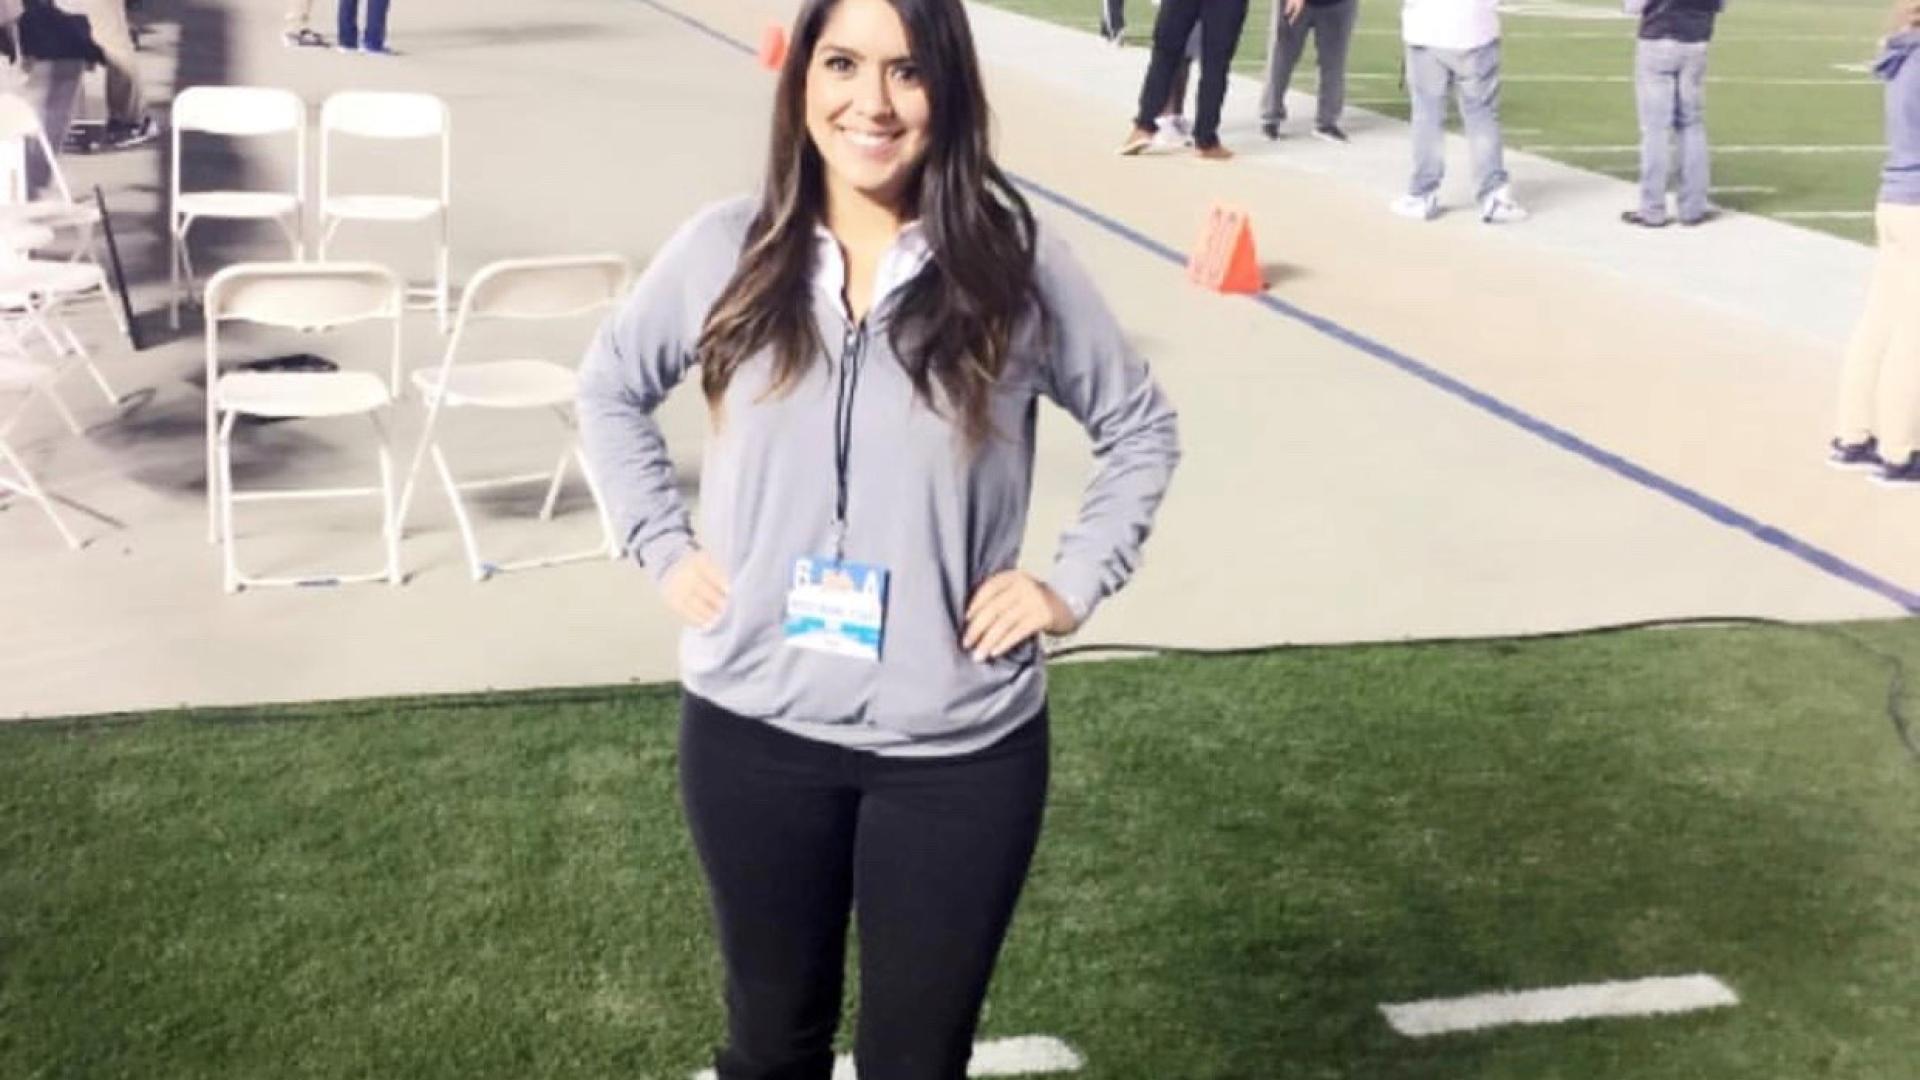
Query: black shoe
[[1905, 474], [1635, 217], [1864, 454], [127, 136], [303, 38], [1270, 128], [1329, 132]]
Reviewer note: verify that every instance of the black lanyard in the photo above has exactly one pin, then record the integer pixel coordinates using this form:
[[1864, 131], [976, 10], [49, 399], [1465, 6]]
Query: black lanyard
[[849, 381]]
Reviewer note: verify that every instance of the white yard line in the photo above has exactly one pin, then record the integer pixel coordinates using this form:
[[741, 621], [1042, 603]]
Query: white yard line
[[1634, 148], [1821, 215], [1637, 997], [1729, 80], [1021, 1055], [1624, 34]]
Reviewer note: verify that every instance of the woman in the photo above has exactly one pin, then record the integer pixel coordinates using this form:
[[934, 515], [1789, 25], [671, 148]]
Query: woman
[[865, 725], [1880, 385]]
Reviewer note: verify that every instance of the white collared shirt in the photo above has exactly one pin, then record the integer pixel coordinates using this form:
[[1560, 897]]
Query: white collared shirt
[[903, 259]]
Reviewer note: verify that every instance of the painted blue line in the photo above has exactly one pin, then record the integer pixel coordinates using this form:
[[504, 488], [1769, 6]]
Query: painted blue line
[[1772, 536]]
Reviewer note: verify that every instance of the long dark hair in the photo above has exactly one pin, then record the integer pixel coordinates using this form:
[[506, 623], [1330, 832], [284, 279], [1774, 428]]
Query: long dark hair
[[954, 323]]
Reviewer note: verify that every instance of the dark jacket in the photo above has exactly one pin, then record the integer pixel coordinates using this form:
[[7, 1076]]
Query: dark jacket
[[48, 33], [1679, 20]]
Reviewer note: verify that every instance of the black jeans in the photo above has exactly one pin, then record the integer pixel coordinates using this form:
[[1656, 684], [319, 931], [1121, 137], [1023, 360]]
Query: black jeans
[[794, 834], [1220, 24]]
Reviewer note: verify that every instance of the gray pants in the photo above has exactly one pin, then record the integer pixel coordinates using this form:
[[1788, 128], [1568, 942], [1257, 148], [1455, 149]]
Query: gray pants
[[1670, 86], [1474, 75], [1332, 30]]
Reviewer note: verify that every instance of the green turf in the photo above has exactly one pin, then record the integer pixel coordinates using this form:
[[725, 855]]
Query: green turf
[[1243, 858], [1758, 45]]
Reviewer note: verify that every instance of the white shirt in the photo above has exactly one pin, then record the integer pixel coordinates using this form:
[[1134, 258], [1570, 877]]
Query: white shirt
[[903, 259], [1450, 24]]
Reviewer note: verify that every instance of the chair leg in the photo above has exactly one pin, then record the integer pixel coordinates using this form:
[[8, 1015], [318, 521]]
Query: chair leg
[[75, 348], [173, 278], [467, 539], [90, 250], [599, 504], [66, 414], [229, 560], [442, 287], [213, 470], [31, 488], [408, 485], [553, 488], [389, 519]]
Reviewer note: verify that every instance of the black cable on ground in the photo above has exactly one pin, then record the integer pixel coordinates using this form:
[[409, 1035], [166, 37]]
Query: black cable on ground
[[1896, 667]]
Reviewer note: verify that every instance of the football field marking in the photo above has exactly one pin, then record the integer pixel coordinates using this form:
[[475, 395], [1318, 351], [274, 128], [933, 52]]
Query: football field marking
[[1822, 215], [1021, 1055], [1634, 148], [1712, 80], [1659, 996]]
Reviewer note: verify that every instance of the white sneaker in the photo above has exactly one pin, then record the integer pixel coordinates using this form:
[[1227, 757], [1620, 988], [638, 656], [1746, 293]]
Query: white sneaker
[[1179, 123], [1169, 137], [1498, 208], [1418, 207]]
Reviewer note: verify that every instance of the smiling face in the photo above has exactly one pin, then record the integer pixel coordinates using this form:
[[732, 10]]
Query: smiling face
[[867, 111]]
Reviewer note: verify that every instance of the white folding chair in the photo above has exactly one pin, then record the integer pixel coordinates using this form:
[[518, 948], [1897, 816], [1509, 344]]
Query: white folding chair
[[57, 210], [299, 296], [22, 380], [517, 289], [234, 112], [383, 115]]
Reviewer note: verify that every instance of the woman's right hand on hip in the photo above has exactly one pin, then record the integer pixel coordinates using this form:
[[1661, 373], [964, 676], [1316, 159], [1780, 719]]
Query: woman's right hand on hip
[[696, 589]]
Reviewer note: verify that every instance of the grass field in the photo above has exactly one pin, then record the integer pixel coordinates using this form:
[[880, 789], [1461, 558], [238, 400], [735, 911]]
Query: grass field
[[1783, 73], [1244, 858]]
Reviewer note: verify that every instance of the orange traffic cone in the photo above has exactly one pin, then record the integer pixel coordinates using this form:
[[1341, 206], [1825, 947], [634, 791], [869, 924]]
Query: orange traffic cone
[[773, 46], [1224, 260]]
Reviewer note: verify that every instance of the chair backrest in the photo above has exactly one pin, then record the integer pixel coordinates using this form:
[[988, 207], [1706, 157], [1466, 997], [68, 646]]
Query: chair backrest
[[20, 129], [552, 287], [304, 295], [555, 287], [384, 114], [238, 110], [241, 112]]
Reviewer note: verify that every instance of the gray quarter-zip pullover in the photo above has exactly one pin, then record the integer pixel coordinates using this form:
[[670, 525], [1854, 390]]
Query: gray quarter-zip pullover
[[941, 520]]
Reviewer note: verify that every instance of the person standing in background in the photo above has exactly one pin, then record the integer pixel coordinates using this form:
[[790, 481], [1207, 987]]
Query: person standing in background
[[1454, 46], [370, 38], [297, 29], [128, 122], [1880, 383], [1330, 22], [1670, 91], [1220, 23]]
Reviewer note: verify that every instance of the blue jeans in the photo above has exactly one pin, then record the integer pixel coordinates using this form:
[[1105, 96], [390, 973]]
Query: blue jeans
[[375, 35], [1670, 85], [1474, 76]]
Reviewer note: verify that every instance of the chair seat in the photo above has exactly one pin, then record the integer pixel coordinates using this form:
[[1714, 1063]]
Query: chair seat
[[27, 277], [300, 393], [236, 204], [23, 236], [501, 384], [52, 215], [16, 372], [380, 207]]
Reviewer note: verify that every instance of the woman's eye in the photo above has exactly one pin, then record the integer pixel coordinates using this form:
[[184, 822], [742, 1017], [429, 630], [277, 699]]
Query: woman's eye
[[839, 64], [906, 73]]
